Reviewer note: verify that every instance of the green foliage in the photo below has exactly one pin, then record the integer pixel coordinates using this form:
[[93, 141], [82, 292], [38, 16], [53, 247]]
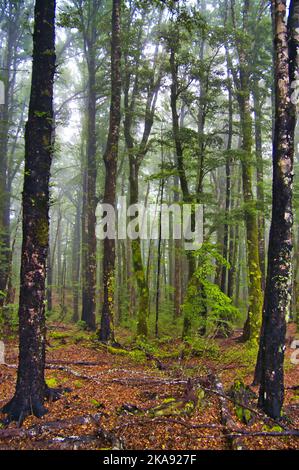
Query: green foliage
[[242, 356], [243, 414], [205, 303], [155, 347], [82, 325], [275, 428], [9, 318], [201, 347]]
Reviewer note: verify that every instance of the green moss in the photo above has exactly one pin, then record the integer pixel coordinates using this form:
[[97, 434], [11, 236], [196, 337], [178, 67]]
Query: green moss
[[40, 114], [52, 382], [42, 232], [79, 338], [172, 408], [243, 357], [97, 404], [59, 335], [78, 384]]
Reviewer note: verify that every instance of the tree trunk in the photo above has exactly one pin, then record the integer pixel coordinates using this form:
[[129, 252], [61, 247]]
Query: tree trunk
[[254, 318], [89, 199], [139, 271], [31, 388], [49, 279], [228, 184], [76, 263], [179, 160], [260, 178], [8, 78], [106, 333], [269, 369]]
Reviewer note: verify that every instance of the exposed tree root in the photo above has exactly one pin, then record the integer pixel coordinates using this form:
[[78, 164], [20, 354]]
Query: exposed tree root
[[18, 408]]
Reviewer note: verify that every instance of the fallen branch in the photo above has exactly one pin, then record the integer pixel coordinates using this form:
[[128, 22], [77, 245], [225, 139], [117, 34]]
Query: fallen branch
[[51, 426], [227, 419], [258, 413], [66, 443], [74, 363]]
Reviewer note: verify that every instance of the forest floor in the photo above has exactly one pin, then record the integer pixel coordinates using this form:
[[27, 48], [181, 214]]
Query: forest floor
[[168, 396]]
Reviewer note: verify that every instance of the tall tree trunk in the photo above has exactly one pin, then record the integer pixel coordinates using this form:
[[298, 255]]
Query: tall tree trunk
[[31, 388], [139, 269], [89, 242], [137, 152], [260, 177], [254, 318], [49, 279], [88, 214], [110, 158], [158, 283], [179, 160], [269, 369], [228, 183], [177, 260], [76, 263], [8, 77]]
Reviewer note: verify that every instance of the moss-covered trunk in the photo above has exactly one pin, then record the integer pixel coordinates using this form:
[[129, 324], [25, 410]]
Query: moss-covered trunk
[[179, 161], [31, 388], [106, 333], [76, 262], [254, 319], [89, 242], [138, 266], [260, 178], [242, 85]]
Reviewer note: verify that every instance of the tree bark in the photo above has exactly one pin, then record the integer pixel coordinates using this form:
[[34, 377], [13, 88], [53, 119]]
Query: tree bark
[[228, 184], [254, 318], [106, 333], [76, 263], [31, 388], [260, 178], [269, 370], [89, 241]]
